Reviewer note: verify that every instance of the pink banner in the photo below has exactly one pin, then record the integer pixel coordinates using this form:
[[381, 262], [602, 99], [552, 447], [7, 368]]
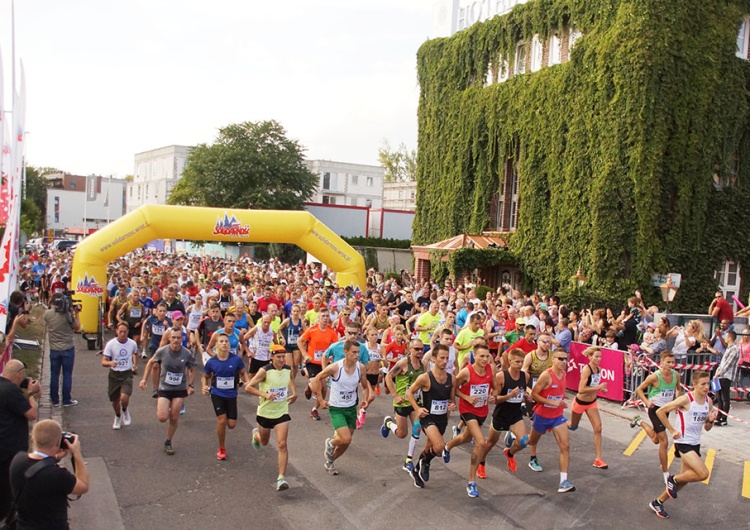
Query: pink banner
[[612, 370]]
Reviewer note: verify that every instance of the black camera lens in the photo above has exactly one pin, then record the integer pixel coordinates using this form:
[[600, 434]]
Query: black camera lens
[[69, 436]]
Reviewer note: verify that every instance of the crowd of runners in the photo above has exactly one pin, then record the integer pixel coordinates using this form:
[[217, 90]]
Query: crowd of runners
[[439, 353]]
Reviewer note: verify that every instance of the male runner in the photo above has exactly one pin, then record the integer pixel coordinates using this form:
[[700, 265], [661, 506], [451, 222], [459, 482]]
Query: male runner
[[696, 413], [549, 395], [121, 357], [438, 396], [312, 344], [153, 329], [345, 375], [220, 376], [175, 362]]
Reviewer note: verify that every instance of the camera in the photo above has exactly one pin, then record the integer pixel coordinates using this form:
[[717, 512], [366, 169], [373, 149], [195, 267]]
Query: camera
[[25, 383], [66, 303], [66, 436]]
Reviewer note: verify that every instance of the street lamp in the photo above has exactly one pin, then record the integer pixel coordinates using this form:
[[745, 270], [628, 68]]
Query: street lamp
[[668, 291], [579, 278]]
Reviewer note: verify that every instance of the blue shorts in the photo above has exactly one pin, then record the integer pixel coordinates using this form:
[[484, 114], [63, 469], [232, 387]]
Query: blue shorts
[[544, 425]]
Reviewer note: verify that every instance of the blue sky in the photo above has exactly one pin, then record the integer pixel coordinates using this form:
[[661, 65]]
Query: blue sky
[[106, 80]]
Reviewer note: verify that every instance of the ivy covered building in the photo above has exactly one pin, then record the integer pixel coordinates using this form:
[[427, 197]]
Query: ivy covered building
[[610, 135]]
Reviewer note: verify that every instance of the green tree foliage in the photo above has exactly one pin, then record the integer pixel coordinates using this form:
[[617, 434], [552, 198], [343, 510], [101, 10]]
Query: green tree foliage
[[400, 164], [32, 221], [36, 188], [250, 165], [615, 148]]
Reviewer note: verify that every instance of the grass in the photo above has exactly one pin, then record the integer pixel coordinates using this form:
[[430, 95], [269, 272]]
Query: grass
[[34, 331]]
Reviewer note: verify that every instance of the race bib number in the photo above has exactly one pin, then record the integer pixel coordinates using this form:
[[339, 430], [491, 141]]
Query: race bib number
[[224, 383], [497, 338], [667, 393], [280, 393], [480, 392], [135, 313], [292, 339], [553, 398], [596, 379], [346, 397], [224, 305], [439, 407], [518, 398], [123, 363], [173, 379], [318, 355], [158, 329], [374, 355]]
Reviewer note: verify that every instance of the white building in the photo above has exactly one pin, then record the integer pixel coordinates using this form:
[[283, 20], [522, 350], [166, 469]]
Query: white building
[[347, 184], [400, 196], [451, 16], [156, 173], [78, 205]]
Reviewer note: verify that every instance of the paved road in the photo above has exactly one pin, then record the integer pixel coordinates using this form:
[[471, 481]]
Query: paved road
[[136, 486]]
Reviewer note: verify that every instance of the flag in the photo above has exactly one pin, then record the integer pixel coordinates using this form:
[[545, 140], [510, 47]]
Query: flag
[[91, 188], [4, 156]]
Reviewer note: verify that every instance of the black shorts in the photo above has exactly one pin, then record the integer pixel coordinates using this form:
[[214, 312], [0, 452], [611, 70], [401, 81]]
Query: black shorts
[[403, 411], [270, 423], [132, 332], [503, 423], [686, 448], [313, 369], [224, 406], [468, 417], [441, 422], [171, 394], [655, 421], [291, 348], [256, 365], [373, 379]]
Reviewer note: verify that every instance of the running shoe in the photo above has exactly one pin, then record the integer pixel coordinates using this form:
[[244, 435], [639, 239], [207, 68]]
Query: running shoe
[[511, 459], [471, 490], [377, 390], [509, 439], [314, 414], [408, 465], [671, 487], [456, 430], [71, 403], [424, 470], [362, 417], [415, 429], [481, 471], [658, 508], [221, 454], [384, 430], [144, 356], [308, 392], [117, 424], [329, 449], [126, 419], [182, 410], [254, 440], [168, 448], [331, 468], [535, 465], [635, 422], [446, 454], [565, 487], [281, 484], [357, 424], [418, 482], [600, 464]]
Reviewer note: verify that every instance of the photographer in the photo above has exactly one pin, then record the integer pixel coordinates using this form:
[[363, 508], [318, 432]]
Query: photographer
[[44, 499], [62, 322], [15, 412]]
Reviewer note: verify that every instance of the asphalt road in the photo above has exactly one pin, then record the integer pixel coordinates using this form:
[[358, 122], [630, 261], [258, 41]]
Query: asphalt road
[[136, 486]]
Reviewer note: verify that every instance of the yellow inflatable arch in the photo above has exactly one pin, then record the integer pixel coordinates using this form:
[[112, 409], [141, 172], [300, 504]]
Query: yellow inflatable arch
[[89, 277]]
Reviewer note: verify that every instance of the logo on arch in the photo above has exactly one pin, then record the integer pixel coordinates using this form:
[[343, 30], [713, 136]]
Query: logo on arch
[[230, 226], [89, 286]]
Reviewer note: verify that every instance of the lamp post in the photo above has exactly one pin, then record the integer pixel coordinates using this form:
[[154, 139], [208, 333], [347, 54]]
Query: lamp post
[[668, 291], [579, 278]]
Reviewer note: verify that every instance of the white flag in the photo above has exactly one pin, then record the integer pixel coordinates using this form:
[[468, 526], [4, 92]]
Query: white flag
[[91, 188]]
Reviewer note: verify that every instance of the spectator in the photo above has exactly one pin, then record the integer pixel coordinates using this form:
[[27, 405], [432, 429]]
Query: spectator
[[61, 324], [720, 308], [563, 336], [727, 373]]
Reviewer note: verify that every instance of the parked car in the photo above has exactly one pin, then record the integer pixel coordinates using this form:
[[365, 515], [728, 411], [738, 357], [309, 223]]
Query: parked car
[[64, 244]]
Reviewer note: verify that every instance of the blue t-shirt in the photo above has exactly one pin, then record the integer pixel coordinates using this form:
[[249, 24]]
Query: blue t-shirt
[[461, 317], [157, 328], [148, 303], [241, 323], [225, 375], [38, 270], [336, 352]]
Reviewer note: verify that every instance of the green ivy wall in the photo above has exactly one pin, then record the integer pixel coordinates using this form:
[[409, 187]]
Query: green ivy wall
[[617, 146]]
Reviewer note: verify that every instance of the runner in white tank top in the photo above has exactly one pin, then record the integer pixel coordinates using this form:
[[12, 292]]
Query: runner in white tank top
[[696, 413]]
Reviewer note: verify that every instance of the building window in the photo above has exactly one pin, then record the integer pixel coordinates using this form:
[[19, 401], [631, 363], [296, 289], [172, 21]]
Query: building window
[[728, 278], [742, 38], [369, 182], [329, 199], [555, 49], [537, 53], [355, 180], [520, 64], [57, 209], [326, 181], [72, 184], [573, 36]]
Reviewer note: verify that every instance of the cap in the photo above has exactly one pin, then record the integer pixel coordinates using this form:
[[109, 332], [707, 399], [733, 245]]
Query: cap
[[277, 348], [202, 276], [651, 325], [543, 305], [520, 321], [425, 304], [310, 282], [177, 314], [407, 290]]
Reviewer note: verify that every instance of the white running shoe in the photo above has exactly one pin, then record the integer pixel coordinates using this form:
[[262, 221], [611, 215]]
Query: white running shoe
[[126, 419], [117, 424]]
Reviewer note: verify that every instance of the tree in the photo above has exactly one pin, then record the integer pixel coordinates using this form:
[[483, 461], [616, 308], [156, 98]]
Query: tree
[[36, 189], [32, 221], [400, 165], [251, 165]]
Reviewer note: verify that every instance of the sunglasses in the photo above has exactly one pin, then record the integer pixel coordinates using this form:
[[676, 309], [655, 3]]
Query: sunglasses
[[561, 358]]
